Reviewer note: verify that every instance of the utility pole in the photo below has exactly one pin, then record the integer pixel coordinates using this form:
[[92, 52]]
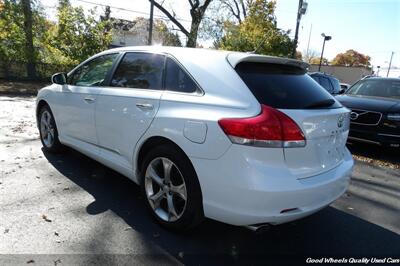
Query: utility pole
[[390, 64], [300, 11], [150, 40]]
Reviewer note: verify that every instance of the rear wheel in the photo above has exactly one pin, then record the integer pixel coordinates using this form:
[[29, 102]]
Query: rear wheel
[[171, 188], [48, 130]]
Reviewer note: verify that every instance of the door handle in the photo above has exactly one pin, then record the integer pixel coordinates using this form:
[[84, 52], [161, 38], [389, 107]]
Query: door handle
[[89, 99], [147, 106]]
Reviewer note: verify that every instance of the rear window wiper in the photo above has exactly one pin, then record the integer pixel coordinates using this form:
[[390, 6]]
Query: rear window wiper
[[319, 104]]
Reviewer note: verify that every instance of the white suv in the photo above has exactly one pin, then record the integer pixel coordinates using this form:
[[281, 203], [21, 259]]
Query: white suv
[[240, 138]]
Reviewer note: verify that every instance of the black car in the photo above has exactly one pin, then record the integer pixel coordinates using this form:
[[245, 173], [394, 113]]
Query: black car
[[328, 82], [375, 110]]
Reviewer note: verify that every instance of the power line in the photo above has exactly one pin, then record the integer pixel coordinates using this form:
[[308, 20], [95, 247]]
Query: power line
[[130, 10]]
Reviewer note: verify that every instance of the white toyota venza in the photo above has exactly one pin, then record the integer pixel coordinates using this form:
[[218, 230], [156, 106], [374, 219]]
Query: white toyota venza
[[240, 138]]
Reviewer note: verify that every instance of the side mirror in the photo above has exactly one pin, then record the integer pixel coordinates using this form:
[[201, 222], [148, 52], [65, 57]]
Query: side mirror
[[59, 78], [342, 91]]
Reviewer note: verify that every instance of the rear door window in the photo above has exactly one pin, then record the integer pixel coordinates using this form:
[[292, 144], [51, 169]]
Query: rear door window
[[140, 71], [284, 87]]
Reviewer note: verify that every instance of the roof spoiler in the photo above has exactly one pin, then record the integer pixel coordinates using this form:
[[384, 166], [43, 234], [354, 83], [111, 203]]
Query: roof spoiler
[[235, 58]]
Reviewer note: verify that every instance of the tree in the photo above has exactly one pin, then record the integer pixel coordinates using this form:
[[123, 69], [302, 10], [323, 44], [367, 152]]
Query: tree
[[315, 60], [197, 11], [167, 37], [310, 54], [12, 36], [29, 50], [298, 55], [78, 36], [237, 8], [17, 42], [352, 58], [258, 30]]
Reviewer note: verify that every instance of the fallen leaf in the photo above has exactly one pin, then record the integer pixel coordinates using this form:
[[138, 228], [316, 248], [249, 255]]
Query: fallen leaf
[[66, 188], [6, 231], [46, 219], [56, 234], [57, 262], [30, 261], [38, 177]]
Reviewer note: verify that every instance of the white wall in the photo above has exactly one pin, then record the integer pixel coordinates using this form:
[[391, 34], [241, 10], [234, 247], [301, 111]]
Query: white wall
[[345, 74]]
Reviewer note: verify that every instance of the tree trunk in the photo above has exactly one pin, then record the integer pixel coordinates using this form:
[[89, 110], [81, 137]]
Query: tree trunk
[[29, 50], [194, 28]]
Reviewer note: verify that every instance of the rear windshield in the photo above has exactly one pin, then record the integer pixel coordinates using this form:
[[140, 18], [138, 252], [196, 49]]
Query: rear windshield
[[284, 87]]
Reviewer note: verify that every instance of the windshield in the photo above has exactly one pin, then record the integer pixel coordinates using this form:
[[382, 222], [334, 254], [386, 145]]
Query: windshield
[[376, 87]]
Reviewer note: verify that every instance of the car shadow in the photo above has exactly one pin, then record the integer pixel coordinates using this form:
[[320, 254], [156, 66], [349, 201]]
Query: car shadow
[[375, 152], [328, 233]]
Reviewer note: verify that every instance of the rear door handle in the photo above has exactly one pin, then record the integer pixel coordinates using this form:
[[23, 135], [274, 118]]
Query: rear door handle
[[89, 99], [144, 106]]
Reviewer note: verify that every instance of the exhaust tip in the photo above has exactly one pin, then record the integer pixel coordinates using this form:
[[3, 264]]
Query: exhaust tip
[[258, 228]]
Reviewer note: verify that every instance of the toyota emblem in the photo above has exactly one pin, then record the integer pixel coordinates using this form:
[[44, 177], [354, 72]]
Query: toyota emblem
[[340, 121]]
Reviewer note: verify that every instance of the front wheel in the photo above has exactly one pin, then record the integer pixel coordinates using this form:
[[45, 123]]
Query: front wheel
[[48, 130], [171, 188]]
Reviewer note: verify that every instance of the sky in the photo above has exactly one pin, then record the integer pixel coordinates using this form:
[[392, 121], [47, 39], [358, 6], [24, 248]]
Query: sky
[[371, 27]]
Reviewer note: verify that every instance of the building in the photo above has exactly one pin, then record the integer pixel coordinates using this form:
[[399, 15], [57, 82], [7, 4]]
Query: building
[[136, 32], [345, 74]]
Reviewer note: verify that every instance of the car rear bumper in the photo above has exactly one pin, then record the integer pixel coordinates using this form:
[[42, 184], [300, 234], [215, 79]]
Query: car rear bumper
[[247, 192]]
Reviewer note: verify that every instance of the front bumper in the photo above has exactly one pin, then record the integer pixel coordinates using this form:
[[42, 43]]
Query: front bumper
[[239, 190], [371, 136]]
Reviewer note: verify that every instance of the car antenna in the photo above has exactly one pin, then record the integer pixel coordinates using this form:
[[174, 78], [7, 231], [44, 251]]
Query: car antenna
[[261, 44]]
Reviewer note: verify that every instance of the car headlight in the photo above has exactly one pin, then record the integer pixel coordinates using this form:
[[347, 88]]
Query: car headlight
[[393, 116]]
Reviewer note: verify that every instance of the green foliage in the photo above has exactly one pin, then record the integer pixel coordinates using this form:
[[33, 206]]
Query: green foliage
[[168, 38], [315, 60], [257, 30], [77, 35], [73, 39], [12, 35], [352, 58]]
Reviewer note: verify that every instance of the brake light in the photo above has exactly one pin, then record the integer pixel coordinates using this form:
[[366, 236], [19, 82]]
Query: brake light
[[271, 128]]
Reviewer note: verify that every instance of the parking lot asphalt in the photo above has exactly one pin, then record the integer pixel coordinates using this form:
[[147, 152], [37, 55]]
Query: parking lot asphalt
[[68, 209]]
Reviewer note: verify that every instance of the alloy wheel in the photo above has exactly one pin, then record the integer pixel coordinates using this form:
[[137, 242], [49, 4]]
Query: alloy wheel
[[165, 189], [47, 129]]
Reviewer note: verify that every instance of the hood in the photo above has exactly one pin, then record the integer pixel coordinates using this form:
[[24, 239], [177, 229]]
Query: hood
[[369, 103]]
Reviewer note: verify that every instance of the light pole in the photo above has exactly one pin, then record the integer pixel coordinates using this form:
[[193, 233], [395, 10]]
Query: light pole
[[302, 9], [326, 38], [390, 64]]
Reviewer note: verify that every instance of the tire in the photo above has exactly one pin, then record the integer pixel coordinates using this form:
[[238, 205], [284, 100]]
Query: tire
[[48, 131], [159, 194]]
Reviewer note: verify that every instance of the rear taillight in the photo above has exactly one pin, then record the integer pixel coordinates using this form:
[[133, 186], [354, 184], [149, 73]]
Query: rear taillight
[[271, 128]]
